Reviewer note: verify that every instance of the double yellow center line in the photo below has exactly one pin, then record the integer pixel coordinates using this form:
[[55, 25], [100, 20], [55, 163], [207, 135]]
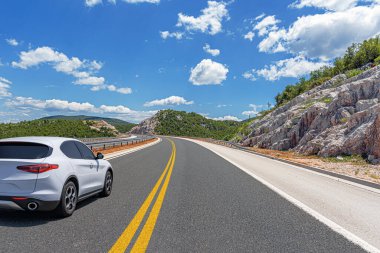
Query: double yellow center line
[[143, 238]]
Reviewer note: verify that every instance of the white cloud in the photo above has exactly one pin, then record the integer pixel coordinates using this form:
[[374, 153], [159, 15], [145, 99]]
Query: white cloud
[[91, 80], [210, 21], [172, 100], [208, 72], [333, 5], [326, 35], [250, 76], [91, 3], [249, 36], [124, 90], [255, 110], [12, 42], [5, 85], [292, 67], [40, 55], [260, 16], [142, 1], [213, 52], [227, 117], [167, 34], [82, 70], [267, 24], [222, 105], [54, 105], [51, 104]]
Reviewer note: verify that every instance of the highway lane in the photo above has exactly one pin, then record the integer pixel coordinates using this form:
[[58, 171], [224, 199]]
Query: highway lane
[[209, 205]]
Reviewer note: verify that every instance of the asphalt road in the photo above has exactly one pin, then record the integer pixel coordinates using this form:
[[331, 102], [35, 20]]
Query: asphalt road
[[204, 204]]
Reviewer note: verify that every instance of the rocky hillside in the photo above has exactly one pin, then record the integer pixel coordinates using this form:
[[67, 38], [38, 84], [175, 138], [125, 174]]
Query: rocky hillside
[[341, 116], [177, 123]]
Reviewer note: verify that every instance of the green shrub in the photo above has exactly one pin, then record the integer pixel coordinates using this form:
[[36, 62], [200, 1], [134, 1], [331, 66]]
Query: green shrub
[[377, 61], [353, 72]]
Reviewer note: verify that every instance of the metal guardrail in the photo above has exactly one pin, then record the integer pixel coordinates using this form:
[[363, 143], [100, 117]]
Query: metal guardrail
[[105, 143]]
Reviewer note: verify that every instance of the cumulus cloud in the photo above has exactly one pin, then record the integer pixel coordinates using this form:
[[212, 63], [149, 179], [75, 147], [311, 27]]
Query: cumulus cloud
[[82, 70], [208, 72], [210, 20], [227, 117], [92, 3], [213, 52], [292, 67], [91, 80], [142, 1], [55, 105], [333, 5], [5, 85], [167, 34], [267, 24], [249, 36], [326, 35], [12, 42], [51, 104], [249, 75], [172, 100], [256, 109]]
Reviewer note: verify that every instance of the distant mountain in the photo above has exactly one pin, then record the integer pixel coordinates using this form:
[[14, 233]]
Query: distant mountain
[[179, 123], [121, 125]]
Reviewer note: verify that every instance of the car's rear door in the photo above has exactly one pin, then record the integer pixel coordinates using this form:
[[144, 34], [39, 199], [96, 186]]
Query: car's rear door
[[94, 176], [83, 167], [14, 181]]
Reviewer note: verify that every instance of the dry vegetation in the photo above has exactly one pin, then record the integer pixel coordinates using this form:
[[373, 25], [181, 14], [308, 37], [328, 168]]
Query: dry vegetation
[[120, 148]]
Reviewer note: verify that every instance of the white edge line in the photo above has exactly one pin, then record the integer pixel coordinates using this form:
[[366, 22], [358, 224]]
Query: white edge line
[[364, 187], [119, 154], [331, 224]]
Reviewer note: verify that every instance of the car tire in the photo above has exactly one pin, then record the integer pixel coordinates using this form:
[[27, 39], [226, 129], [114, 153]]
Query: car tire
[[108, 181], [69, 200]]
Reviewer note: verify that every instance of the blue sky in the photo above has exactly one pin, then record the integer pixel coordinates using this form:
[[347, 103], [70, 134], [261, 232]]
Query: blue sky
[[130, 58]]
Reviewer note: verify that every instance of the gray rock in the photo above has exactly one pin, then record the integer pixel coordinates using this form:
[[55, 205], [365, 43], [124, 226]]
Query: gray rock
[[340, 117]]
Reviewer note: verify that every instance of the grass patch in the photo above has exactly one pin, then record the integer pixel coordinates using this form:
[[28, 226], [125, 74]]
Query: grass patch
[[353, 72], [343, 120], [353, 159], [374, 176], [326, 100]]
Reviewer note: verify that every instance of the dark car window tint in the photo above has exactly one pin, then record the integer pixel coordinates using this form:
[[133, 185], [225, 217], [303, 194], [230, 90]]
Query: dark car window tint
[[86, 152], [70, 150], [23, 150]]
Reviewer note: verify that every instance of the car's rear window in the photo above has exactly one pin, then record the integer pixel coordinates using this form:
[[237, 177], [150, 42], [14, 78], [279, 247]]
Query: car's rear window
[[23, 150]]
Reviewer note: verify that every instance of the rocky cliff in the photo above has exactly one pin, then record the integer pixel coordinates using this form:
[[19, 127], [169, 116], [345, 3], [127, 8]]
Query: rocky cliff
[[342, 116], [147, 126]]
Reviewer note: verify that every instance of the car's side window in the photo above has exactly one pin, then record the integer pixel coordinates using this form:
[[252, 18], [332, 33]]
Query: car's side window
[[71, 150], [86, 152]]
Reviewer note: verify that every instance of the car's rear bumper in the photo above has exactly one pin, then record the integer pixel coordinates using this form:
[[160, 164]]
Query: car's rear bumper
[[10, 203]]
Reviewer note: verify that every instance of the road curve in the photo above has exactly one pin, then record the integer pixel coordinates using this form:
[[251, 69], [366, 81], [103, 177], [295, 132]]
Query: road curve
[[202, 204]]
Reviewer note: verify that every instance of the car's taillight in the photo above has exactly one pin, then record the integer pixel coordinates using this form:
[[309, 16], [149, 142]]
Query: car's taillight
[[38, 168]]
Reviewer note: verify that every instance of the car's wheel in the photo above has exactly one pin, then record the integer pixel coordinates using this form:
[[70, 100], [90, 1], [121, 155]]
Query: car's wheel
[[69, 200], [107, 189]]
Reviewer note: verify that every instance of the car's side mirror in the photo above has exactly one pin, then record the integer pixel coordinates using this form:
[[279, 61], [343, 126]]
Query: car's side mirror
[[99, 156]]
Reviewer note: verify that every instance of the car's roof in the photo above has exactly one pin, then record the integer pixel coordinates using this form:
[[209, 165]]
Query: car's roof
[[47, 140]]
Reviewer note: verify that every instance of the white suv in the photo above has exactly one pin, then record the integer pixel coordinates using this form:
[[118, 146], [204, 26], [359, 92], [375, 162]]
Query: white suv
[[50, 173]]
